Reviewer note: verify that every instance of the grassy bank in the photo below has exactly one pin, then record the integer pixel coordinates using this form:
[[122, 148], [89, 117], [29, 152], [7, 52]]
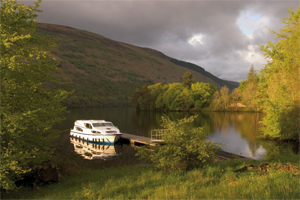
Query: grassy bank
[[218, 181]]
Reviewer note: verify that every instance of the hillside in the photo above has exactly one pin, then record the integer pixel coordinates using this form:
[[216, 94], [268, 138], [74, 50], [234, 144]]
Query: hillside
[[104, 72]]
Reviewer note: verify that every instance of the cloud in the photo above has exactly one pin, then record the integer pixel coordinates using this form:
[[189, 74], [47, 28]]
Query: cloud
[[194, 40], [249, 22], [220, 36]]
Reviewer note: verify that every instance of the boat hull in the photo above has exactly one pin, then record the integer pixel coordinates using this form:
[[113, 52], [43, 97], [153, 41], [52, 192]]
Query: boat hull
[[93, 151], [104, 138]]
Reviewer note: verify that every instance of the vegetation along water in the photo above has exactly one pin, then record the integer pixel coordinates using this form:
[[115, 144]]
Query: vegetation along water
[[274, 90], [32, 106]]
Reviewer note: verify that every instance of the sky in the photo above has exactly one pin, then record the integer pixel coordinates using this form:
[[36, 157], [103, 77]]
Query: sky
[[220, 36]]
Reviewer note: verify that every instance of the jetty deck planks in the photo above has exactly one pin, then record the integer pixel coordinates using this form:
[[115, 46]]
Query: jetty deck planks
[[136, 139]]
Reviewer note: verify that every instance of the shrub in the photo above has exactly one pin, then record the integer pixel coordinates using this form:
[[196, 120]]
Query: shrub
[[185, 147]]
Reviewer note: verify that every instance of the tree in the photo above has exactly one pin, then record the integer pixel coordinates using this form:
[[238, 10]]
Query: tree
[[252, 76], [159, 103], [169, 98], [249, 94], [202, 94], [188, 79], [279, 83], [156, 90], [224, 96], [249, 88], [216, 101], [135, 99], [235, 98], [185, 148], [28, 109], [221, 99], [145, 98], [184, 100], [242, 85]]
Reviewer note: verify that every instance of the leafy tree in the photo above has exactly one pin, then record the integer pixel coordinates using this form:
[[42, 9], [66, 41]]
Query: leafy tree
[[252, 76], [235, 98], [183, 100], [156, 90], [170, 95], [28, 110], [242, 85], [159, 103], [249, 94], [202, 94], [221, 99], [249, 89], [224, 96], [185, 148], [216, 101], [145, 98], [188, 79], [279, 83], [149, 97], [135, 99]]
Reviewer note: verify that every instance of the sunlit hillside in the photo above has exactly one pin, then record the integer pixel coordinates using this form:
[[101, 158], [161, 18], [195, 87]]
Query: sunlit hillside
[[104, 72]]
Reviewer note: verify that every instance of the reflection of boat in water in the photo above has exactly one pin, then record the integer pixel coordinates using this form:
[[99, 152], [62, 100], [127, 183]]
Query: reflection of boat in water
[[95, 150], [95, 131]]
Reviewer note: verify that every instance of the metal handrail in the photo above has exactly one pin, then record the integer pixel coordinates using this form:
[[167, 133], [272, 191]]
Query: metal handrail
[[158, 134]]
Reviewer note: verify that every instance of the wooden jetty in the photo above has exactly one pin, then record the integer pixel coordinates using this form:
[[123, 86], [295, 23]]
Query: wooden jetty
[[136, 140], [139, 140]]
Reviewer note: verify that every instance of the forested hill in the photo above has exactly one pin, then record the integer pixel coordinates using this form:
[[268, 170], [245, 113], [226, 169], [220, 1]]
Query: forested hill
[[104, 72], [220, 82]]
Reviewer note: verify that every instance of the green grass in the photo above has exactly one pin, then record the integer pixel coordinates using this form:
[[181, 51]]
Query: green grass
[[218, 181]]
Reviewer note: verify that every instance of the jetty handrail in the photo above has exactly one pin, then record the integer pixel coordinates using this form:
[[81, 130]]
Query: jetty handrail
[[158, 134]]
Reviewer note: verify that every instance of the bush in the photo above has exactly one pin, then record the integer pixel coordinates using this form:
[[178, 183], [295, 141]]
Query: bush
[[185, 147], [29, 109]]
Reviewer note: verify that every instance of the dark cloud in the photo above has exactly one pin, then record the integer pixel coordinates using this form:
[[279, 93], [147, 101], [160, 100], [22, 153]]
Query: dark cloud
[[168, 25]]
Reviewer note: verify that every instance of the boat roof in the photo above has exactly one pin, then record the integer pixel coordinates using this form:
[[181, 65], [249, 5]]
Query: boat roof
[[91, 121]]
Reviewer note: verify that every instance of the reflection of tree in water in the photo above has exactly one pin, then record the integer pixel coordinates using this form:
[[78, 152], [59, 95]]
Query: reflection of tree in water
[[221, 121], [146, 121], [205, 120], [246, 124]]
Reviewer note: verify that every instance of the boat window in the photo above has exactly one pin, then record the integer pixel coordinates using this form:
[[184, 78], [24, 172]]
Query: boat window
[[108, 124], [111, 131], [78, 129], [88, 126], [97, 124], [103, 124], [95, 132]]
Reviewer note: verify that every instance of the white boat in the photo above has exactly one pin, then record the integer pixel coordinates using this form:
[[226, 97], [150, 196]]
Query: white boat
[[95, 131]]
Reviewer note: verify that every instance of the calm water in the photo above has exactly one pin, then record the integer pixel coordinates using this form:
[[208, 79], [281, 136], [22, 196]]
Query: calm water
[[237, 132]]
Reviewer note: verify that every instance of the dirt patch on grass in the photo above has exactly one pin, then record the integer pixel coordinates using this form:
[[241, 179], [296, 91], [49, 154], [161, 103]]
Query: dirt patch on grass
[[265, 167]]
